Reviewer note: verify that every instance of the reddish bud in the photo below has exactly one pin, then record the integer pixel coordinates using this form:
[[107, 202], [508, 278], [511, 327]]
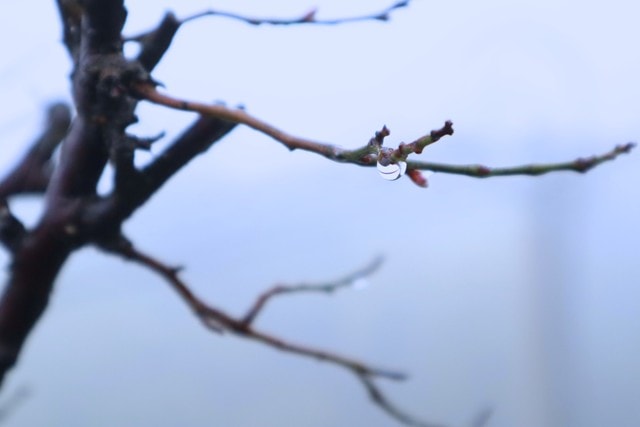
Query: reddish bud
[[417, 178]]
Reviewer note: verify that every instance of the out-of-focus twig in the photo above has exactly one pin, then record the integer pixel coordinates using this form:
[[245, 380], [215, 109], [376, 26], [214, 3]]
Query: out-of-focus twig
[[307, 18], [219, 321], [327, 288]]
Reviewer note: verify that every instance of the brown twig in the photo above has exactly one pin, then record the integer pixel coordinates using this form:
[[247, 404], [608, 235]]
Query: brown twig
[[327, 288], [218, 321], [373, 152], [236, 115]]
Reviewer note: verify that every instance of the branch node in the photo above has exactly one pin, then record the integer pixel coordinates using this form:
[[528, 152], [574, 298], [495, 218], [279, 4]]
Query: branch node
[[447, 129]]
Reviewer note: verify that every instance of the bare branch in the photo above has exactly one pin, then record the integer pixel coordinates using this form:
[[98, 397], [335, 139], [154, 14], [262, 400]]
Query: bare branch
[[148, 92], [373, 152], [156, 42], [581, 165], [71, 15], [218, 321], [307, 18], [376, 395], [327, 288]]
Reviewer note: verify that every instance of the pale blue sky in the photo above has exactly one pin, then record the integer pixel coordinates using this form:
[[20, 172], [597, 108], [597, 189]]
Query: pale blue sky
[[518, 292]]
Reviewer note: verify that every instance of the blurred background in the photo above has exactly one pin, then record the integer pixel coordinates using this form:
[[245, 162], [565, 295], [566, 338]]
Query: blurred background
[[520, 293]]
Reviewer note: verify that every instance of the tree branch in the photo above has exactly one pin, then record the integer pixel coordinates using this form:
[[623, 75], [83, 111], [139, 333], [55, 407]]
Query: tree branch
[[154, 44], [373, 153], [12, 231], [327, 288], [581, 165], [219, 321]]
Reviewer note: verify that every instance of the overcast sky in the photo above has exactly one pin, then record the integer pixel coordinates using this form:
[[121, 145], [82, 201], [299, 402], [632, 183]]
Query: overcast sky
[[521, 293]]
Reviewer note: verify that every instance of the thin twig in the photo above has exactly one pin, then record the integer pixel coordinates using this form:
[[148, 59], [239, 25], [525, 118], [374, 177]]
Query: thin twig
[[307, 18], [371, 153], [237, 115], [379, 398], [327, 288], [581, 165], [220, 321]]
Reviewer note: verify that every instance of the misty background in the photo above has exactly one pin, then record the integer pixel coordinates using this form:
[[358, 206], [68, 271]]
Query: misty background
[[520, 293]]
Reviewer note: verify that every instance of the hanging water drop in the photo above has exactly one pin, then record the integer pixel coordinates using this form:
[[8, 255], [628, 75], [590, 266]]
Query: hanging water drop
[[392, 171]]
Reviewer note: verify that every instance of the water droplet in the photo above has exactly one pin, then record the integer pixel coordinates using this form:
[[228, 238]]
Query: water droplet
[[392, 171]]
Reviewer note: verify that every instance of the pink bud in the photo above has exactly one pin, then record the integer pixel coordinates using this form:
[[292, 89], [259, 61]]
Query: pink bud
[[417, 178]]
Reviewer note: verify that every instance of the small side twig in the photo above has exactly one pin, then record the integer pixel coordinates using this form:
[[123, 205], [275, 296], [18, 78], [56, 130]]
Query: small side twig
[[327, 288], [379, 398], [217, 320]]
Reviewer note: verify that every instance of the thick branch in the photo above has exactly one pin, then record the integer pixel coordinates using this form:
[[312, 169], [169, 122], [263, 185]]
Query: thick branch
[[12, 231], [196, 140], [71, 16], [104, 110], [154, 44], [102, 25], [35, 266], [139, 187]]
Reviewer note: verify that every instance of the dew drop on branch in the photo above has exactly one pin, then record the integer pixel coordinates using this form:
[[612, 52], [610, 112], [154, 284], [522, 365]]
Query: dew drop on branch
[[392, 171]]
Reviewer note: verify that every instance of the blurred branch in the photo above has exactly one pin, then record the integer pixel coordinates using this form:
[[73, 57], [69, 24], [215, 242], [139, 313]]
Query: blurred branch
[[12, 231], [219, 321], [327, 288], [307, 18], [156, 42], [71, 15], [33, 171], [379, 398]]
